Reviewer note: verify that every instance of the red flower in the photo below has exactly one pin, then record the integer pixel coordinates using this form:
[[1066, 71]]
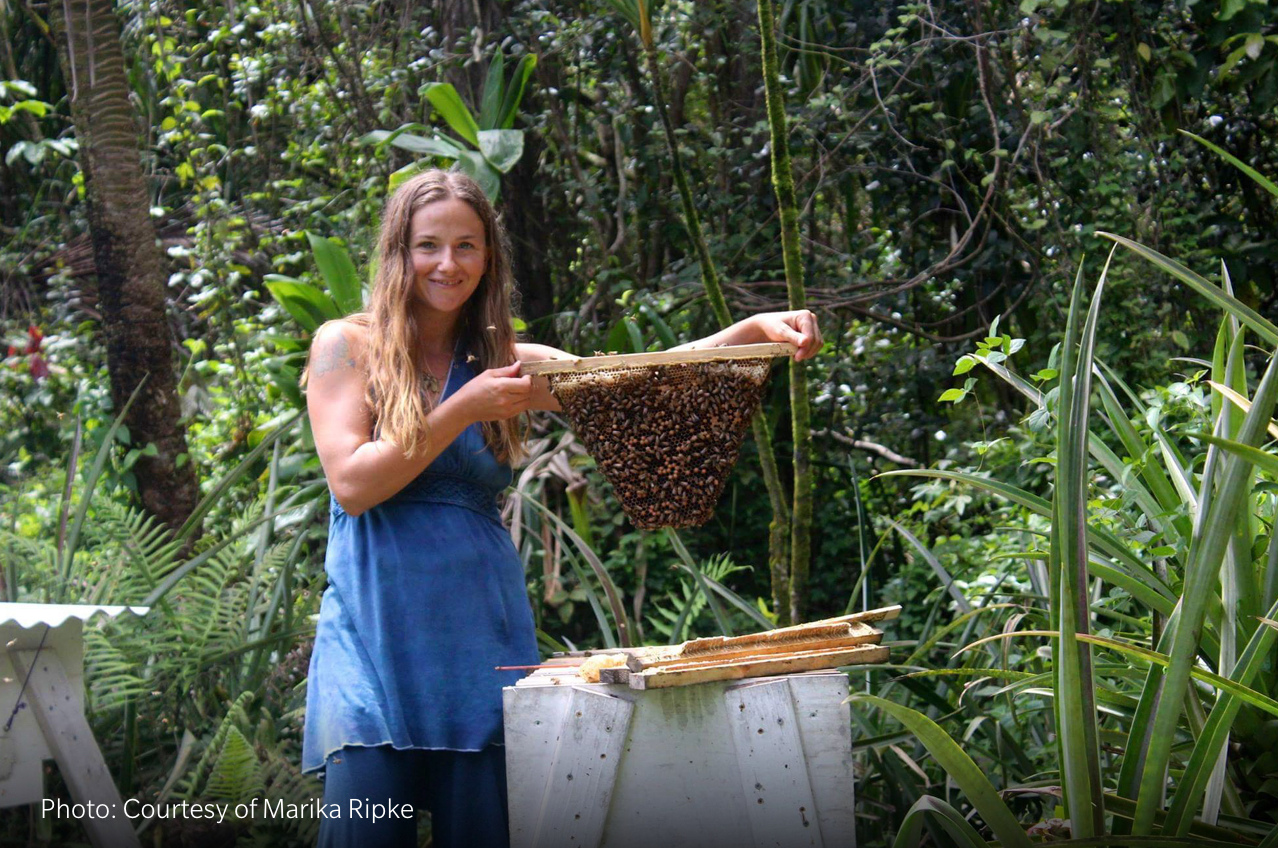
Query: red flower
[[34, 338], [39, 368]]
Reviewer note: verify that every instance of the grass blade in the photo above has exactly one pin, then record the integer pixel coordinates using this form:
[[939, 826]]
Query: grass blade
[[1241, 402], [64, 508], [946, 580], [959, 766], [91, 483], [691, 565], [1247, 694], [1215, 294], [911, 832], [736, 600], [596, 565], [1215, 732], [1077, 738], [1206, 553], [215, 494], [1099, 538], [1236, 162]]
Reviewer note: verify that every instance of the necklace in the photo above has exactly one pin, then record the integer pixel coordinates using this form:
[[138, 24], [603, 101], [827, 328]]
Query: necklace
[[431, 383]]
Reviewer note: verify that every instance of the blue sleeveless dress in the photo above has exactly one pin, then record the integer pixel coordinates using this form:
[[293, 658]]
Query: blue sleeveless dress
[[425, 597]]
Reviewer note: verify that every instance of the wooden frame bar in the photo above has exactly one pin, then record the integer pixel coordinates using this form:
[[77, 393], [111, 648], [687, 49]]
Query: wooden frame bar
[[662, 357], [660, 678]]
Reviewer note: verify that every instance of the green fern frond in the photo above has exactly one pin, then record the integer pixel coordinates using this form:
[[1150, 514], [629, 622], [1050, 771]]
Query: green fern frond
[[194, 782], [112, 673], [36, 560], [285, 783], [236, 774], [664, 619]]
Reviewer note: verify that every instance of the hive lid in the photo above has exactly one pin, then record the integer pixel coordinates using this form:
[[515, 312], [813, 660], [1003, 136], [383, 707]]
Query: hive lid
[[54, 615], [663, 357]]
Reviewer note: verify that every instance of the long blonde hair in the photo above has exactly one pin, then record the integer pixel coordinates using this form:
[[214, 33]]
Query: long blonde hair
[[486, 333]]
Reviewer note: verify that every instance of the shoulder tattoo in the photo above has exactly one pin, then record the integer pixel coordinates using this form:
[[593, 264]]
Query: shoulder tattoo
[[333, 356]]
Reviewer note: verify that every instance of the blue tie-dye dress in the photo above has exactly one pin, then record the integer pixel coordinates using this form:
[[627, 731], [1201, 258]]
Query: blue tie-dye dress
[[425, 597]]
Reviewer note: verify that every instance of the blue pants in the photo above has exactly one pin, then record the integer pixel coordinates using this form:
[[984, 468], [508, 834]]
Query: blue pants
[[465, 792]]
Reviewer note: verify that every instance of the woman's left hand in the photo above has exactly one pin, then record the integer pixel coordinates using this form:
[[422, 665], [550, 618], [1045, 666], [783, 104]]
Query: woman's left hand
[[799, 328]]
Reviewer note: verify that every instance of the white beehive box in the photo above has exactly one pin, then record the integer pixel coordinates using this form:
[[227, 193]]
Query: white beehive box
[[759, 762], [55, 630]]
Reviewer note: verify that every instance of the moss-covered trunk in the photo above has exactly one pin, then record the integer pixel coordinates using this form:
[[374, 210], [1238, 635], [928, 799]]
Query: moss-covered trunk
[[778, 564], [783, 184]]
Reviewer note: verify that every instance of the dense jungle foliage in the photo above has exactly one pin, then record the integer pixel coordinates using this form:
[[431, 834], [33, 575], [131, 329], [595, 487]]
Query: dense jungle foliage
[[1057, 463]]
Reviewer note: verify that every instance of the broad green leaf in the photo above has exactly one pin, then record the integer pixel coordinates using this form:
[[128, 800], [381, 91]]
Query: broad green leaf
[[477, 168], [619, 338], [502, 148], [659, 326], [308, 305], [339, 273], [960, 768], [490, 103], [449, 105], [514, 93], [406, 138], [636, 337], [406, 173]]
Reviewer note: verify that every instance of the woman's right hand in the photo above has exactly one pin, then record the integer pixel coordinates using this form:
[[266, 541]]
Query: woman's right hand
[[496, 394]]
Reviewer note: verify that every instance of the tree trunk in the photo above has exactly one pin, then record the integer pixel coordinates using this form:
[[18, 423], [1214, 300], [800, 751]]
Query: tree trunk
[[129, 267], [800, 412]]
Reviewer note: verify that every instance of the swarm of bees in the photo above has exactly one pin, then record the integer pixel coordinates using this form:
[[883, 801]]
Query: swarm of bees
[[665, 436]]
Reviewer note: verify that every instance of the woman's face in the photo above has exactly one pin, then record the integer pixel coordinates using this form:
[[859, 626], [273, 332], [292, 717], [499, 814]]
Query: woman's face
[[449, 254]]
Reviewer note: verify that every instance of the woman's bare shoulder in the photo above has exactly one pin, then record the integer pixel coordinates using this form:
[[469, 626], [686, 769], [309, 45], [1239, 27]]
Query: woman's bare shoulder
[[338, 345]]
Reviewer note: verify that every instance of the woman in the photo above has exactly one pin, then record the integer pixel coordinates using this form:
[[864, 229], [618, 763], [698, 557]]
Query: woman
[[415, 407]]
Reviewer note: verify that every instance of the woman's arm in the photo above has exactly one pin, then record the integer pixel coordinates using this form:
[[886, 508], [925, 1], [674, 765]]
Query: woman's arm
[[799, 328], [362, 471], [541, 396]]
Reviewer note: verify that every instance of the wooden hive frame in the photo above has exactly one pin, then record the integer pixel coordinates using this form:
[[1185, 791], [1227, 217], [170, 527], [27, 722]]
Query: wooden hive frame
[[829, 643], [586, 364]]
